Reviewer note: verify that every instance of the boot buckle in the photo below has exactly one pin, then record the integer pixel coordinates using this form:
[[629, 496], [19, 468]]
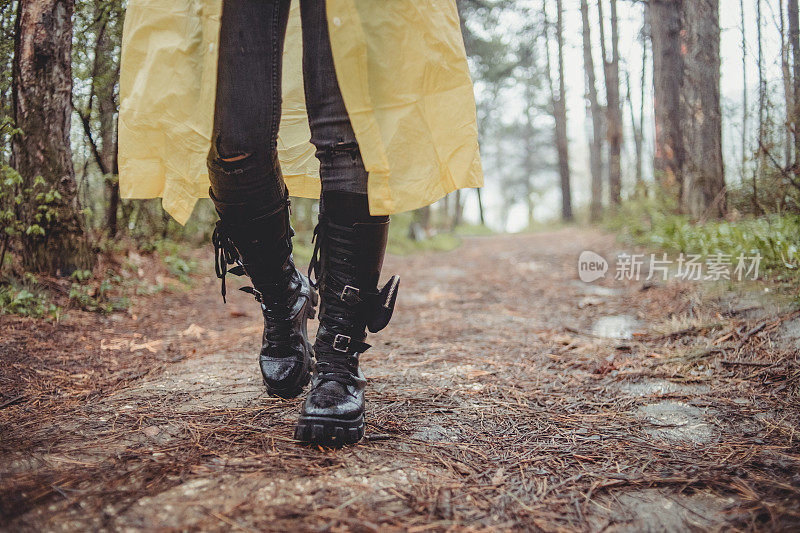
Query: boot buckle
[[341, 343], [349, 294]]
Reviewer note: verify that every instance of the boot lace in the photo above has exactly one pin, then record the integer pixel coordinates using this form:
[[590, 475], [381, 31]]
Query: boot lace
[[278, 328], [336, 271], [336, 366], [225, 253]]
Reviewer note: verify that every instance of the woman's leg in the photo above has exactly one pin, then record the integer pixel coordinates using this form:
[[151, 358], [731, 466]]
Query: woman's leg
[[341, 167], [349, 254], [247, 188], [245, 176]]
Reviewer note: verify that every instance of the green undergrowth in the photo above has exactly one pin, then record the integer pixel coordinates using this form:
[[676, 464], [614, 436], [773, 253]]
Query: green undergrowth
[[440, 242], [775, 237], [474, 230], [25, 297], [121, 272], [177, 260], [401, 242]]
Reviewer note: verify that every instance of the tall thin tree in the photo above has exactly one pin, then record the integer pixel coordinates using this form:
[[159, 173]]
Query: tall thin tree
[[788, 97], [560, 113], [596, 145], [762, 110], [103, 81], [745, 110], [638, 126], [613, 107], [794, 43]]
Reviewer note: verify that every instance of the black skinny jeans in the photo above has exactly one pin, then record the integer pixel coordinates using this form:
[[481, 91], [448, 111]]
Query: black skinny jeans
[[246, 179]]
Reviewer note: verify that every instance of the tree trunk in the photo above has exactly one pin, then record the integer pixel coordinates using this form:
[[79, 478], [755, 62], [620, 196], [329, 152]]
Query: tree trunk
[[638, 138], [703, 187], [596, 146], [643, 84], [665, 28], [762, 110], [638, 126], [529, 205], [446, 212], [686, 79], [614, 103], [112, 220], [786, 74], [457, 211], [745, 110], [105, 82], [6, 59], [794, 43], [560, 112], [613, 109], [480, 206], [42, 89], [420, 221]]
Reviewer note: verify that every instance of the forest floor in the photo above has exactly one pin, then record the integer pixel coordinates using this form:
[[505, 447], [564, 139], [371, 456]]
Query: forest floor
[[505, 394]]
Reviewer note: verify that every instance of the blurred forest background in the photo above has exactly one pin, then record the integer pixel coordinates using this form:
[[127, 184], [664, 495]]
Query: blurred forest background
[[672, 122]]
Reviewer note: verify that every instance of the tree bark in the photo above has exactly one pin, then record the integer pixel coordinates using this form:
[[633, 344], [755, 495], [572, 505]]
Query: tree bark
[[703, 187], [786, 74], [794, 43], [613, 108], [560, 112], [42, 89], [665, 29], [745, 110], [686, 77], [596, 145]]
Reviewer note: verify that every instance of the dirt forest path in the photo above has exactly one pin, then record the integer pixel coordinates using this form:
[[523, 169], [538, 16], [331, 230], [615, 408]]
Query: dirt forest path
[[501, 397]]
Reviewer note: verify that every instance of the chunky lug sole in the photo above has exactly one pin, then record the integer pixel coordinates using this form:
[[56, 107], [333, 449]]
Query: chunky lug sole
[[305, 376], [329, 431]]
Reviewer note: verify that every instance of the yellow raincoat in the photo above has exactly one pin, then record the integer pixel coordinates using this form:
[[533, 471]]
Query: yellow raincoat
[[404, 80]]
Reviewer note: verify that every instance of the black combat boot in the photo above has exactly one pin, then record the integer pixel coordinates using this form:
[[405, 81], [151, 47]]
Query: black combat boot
[[261, 248], [347, 261]]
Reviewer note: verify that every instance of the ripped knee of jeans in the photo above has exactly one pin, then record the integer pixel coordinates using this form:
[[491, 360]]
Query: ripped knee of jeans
[[330, 151], [235, 157], [222, 158]]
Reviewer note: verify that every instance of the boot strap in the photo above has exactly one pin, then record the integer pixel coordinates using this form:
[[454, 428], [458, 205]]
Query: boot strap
[[379, 303], [341, 343]]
